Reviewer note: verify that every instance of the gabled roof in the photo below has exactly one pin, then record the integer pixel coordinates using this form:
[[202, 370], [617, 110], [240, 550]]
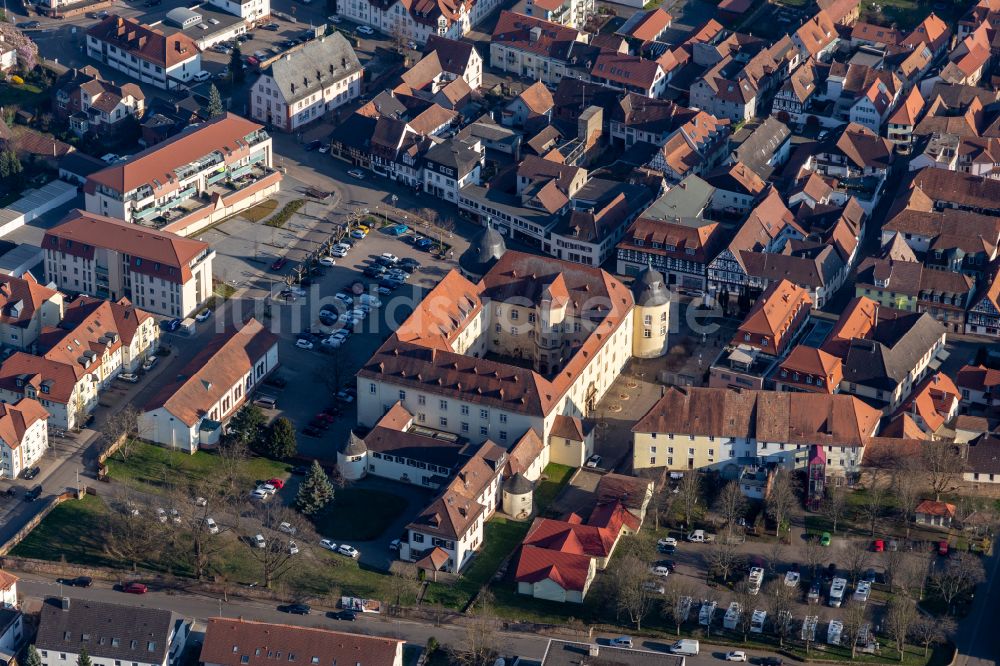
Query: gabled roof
[[984, 455], [892, 348], [814, 363], [568, 570], [774, 310], [213, 372], [978, 378], [935, 508], [17, 418], [909, 111], [238, 642], [931, 31], [864, 148], [534, 35], [817, 33], [625, 69], [21, 298], [145, 42], [537, 98], [316, 65], [454, 56]]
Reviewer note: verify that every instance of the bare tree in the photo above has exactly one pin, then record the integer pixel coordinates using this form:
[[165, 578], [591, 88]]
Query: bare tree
[[233, 476], [959, 575], [834, 505], [892, 560], [873, 506], [779, 598], [942, 462], [731, 504], [688, 495], [275, 557], [628, 588], [781, 500], [482, 640], [132, 536], [677, 602], [898, 619], [928, 631], [775, 556], [858, 558], [745, 600], [662, 503], [813, 555], [196, 543], [853, 619], [911, 574], [724, 557], [907, 489], [123, 425], [403, 587]]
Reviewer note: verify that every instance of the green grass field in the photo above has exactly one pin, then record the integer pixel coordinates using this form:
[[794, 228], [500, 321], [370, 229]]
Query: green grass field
[[359, 514]]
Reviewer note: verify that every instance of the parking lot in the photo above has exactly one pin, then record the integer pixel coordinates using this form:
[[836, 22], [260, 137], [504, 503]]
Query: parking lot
[[327, 368]]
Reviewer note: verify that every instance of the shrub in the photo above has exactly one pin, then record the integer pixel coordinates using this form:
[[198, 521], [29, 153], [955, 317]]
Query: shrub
[[285, 214]]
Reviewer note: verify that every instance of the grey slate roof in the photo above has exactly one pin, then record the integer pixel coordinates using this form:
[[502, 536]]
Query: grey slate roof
[[454, 154], [648, 290], [688, 199], [317, 65], [984, 455], [518, 485], [124, 633], [761, 145], [883, 360]]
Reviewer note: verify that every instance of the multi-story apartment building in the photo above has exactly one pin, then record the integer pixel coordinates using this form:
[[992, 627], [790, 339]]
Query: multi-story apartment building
[[24, 436], [190, 411], [572, 13], [26, 307], [418, 21], [534, 49], [143, 52], [697, 428], [304, 84], [190, 181], [158, 271]]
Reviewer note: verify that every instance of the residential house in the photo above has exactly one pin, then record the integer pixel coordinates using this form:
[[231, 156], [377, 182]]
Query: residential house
[[673, 236], [109, 632], [190, 181], [904, 121], [982, 462], [239, 642], [735, 86], [26, 307], [90, 104], [306, 83], [696, 147], [451, 166], [24, 438], [190, 410], [631, 73], [136, 329], [532, 108], [968, 62], [640, 119], [158, 271], [250, 11], [697, 428], [646, 25], [12, 624], [932, 406], [949, 239], [841, 12], [817, 37], [792, 101], [600, 212], [775, 320], [932, 32], [143, 52], [934, 513], [809, 370], [458, 59], [737, 189], [766, 149], [418, 22], [979, 385], [937, 189], [983, 317], [984, 11]]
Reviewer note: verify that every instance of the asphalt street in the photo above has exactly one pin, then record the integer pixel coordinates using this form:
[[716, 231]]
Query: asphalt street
[[34, 589]]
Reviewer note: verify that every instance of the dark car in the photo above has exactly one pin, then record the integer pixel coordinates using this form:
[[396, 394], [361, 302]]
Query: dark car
[[300, 470], [409, 239], [346, 615], [374, 271], [319, 424], [389, 283], [29, 25], [271, 27], [79, 581], [870, 576], [314, 145], [278, 264], [170, 325], [771, 661], [295, 609], [276, 382], [33, 494], [830, 572], [310, 431], [795, 567], [408, 264], [31, 472], [244, 37]]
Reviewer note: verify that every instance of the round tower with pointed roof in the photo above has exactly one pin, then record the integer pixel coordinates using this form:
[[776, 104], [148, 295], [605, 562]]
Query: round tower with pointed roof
[[517, 496], [651, 318], [352, 458], [483, 252]]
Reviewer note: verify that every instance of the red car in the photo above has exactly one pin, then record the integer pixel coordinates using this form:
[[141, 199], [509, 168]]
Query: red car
[[277, 483], [878, 545], [942, 548], [135, 588], [329, 418], [278, 264]]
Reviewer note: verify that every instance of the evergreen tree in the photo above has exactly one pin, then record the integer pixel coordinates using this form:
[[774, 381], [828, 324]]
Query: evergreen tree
[[33, 658], [281, 439], [315, 492], [248, 425], [84, 658], [215, 107], [236, 65]]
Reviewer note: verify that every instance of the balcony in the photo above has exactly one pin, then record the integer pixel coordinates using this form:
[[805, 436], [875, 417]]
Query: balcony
[[223, 184]]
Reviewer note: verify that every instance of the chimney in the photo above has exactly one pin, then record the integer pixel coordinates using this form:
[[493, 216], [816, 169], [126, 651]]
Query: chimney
[[64, 604]]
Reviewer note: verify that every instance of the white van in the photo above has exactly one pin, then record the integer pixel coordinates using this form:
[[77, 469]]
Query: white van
[[686, 646]]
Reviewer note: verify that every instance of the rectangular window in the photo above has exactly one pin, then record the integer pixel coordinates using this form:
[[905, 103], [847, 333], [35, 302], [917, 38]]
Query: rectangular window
[[372, 388], [421, 400], [484, 414], [465, 410], [443, 404]]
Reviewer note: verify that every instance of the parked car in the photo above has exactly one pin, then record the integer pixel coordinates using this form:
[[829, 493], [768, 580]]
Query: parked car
[[258, 541], [129, 377], [293, 548], [667, 543], [345, 615], [30, 472], [135, 588], [327, 261], [825, 539], [211, 526], [736, 655], [356, 173], [621, 641], [150, 361], [303, 344], [349, 551], [170, 325], [313, 145], [328, 545], [79, 581], [278, 264], [277, 483], [295, 609], [33, 494], [660, 571], [205, 76], [942, 548], [364, 30], [203, 315]]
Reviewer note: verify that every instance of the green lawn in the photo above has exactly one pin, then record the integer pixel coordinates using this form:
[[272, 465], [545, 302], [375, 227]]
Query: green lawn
[[69, 531], [359, 514], [906, 14], [547, 490], [154, 469], [24, 95]]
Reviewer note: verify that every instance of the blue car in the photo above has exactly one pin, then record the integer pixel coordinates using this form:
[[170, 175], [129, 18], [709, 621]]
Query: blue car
[[423, 243], [398, 230]]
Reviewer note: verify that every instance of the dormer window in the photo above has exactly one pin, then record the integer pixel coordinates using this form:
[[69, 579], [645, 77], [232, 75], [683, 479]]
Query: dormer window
[[881, 283]]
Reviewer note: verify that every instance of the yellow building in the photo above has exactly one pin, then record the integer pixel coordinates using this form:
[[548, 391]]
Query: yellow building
[[651, 321]]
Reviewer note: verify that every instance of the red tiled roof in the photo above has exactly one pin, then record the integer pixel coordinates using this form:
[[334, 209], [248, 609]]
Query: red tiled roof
[[25, 293], [231, 642], [144, 42], [570, 571], [933, 508], [15, 419]]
